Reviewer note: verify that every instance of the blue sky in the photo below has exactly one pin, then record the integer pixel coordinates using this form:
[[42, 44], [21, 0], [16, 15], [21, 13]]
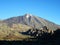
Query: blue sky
[[47, 9]]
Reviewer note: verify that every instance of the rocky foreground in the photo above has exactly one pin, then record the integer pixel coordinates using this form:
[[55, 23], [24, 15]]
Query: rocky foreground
[[37, 37]]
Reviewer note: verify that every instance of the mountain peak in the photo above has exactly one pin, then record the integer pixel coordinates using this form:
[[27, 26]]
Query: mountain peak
[[33, 21], [28, 15]]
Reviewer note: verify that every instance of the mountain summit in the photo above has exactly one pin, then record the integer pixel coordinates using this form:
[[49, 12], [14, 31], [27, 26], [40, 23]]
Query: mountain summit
[[33, 21], [28, 15]]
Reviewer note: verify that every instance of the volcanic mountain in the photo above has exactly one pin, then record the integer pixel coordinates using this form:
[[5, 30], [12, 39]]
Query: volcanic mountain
[[32, 21]]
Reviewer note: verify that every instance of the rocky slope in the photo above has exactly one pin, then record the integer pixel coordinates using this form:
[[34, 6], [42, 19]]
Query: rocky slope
[[33, 21]]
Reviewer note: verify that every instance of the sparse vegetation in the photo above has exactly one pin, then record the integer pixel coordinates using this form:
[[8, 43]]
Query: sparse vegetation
[[13, 33]]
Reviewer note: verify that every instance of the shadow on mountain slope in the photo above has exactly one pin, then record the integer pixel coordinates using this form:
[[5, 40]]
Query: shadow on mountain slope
[[45, 38]]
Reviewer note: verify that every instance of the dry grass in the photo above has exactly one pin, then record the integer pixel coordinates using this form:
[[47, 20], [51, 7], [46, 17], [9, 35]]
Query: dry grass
[[7, 33]]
